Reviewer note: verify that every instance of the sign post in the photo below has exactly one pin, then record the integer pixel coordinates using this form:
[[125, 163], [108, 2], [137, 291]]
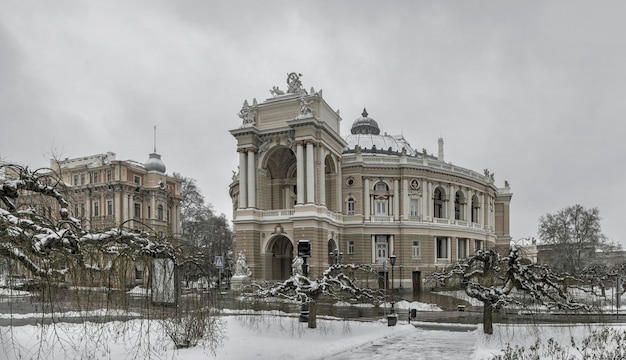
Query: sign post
[[219, 263]]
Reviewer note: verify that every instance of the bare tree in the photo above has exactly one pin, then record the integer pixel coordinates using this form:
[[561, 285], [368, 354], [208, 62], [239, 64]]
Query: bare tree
[[571, 230], [489, 277], [334, 284], [55, 247]]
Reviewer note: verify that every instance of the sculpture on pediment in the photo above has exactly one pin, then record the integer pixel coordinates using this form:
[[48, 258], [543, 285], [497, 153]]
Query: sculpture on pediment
[[246, 114], [275, 91], [305, 107], [294, 84]]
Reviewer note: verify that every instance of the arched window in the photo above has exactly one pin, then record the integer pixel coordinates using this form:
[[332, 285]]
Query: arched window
[[381, 186], [438, 203], [350, 206], [160, 212], [459, 201], [475, 209]]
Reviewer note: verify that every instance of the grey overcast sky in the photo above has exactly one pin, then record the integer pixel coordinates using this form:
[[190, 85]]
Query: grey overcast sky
[[532, 90]]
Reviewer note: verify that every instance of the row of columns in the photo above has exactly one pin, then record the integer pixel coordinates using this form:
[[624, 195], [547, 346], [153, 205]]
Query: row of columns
[[427, 204], [306, 178]]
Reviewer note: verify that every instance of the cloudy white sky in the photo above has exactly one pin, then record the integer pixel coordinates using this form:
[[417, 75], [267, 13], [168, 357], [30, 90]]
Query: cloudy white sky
[[532, 90]]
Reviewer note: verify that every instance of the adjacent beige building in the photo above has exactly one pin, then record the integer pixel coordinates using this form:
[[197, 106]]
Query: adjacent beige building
[[359, 198]]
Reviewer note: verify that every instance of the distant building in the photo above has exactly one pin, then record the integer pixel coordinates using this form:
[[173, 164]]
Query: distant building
[[359, 198], [105, 192]]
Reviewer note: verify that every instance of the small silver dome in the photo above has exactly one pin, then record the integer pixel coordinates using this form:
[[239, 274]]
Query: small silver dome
[[365, 125], [154, 163]]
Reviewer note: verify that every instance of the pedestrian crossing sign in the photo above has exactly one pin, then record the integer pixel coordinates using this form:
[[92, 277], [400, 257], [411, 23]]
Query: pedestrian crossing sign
[[219, 262]]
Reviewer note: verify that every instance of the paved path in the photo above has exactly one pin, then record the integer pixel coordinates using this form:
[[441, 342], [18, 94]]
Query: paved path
[[449, 344]]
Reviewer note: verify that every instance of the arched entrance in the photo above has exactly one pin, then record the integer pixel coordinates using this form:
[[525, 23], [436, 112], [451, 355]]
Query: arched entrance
[[282, 255]]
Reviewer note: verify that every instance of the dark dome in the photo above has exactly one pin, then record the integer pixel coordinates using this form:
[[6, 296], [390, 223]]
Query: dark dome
[[365, 125], [154, 163]]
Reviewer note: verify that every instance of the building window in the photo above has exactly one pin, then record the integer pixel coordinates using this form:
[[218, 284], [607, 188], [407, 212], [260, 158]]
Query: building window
[[110, 207], [96, 208], [82, 179], [82, 210], [442, 248], [381, 247], [438, 203], [138, 271], [109, 176], [149, 213], [137, 210], [381, 186], [96, 177], [416, 249], [75, 179], [76, 213], [380, 206], [160, 212], [137, 180], [475, 209], [413, 206], [350, 247], [478, 244], [350, 206], [462, 248]]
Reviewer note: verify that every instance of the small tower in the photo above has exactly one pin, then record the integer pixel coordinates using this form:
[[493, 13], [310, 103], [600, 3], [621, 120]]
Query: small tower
[[440, 153]]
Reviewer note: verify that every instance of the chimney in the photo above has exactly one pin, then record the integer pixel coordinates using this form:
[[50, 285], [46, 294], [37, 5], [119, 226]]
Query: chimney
[[440, 153]]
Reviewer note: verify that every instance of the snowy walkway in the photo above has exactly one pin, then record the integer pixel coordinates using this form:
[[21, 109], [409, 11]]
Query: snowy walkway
[[421, 344]]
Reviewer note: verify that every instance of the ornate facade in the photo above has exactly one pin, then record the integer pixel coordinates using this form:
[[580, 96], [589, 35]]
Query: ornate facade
[[359, 199]]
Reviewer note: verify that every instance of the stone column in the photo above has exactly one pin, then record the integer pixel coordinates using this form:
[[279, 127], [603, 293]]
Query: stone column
[[392, 246], [310, 174], [251, 179], [425, 199], [451, 202], [366, 199], [468, 206], [322, 177], [338, 185], [405, 198], [396, 199], [243, 180], [300, 173], [373, 241], [483, 211]]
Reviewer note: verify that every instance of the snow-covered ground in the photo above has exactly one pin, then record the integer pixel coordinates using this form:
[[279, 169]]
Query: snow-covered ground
[[270, 336]]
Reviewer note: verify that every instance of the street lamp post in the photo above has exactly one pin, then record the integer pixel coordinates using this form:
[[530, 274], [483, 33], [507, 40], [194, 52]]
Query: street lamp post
[[392, 260]]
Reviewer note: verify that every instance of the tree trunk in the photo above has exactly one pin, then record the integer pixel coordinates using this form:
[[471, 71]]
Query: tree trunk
[[487, 318], [312, 315]]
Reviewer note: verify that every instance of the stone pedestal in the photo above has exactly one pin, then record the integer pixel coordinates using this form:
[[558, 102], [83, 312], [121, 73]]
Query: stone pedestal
[[238, 282]]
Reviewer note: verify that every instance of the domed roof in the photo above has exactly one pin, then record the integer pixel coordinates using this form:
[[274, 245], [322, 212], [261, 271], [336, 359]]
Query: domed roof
[[366, 135], [365, 125], [154, 163]]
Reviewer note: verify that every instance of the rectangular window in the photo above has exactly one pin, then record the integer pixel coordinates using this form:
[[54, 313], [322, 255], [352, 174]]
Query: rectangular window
[[137, 179], [75, 179], [82, 179], [350, 247], [416, 249], [96, 208], [350, 206], [381, 247], [479, 245], [442, 248], [109, 207], [160, 212], [76, 213], [462, 248], [413, 208], [149, 213], [82, 210], [96, 177], [109, 176], [137, 210], [381, 207]]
